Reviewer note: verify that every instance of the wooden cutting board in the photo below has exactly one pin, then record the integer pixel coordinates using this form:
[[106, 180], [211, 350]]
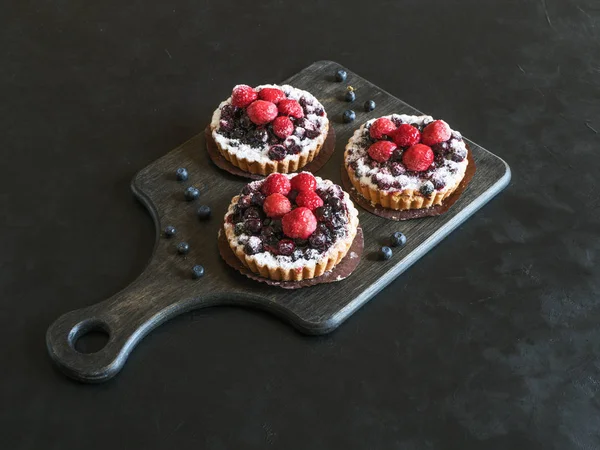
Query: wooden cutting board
[[166, 288]]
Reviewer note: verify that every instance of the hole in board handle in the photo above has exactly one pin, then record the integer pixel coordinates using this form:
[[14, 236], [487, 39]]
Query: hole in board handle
[[89, 336]]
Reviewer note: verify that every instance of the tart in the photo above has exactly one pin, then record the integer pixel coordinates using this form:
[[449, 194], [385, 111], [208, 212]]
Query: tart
[[291, 227], [269, 128], [404, 162]]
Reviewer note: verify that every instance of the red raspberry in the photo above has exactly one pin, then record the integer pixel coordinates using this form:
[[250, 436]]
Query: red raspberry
[[381, 127], [304, 181], [272, 95], [290, 108], [436, 132], [243, 95], [309, 199], [277, 205], [283, 127], [381, 151], [418, 158], [261, 112], [406, 135], [276, 183], [300, 223]]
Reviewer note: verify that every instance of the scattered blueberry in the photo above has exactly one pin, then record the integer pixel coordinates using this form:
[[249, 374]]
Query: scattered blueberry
[[350, 96], [385, 253], [197, 271], [398, 239], [181, 174], [427, 188], [191, 193], [369, 105], [204, 212], [183, 248], [170, 231], [341, 75], [348, 116]]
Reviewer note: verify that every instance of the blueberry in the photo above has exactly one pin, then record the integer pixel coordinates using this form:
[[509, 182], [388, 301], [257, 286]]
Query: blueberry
[[312, 134], [348, 116], [458, 154], [323, 214], [197, 271], [286, 247], [277, 152], [170, 231], [341, 75], [427, 188], [191, 193], [369, 105], [252, 213], [397, 239], [183, 248], [336, 203], [204, 212], [385, 253], [244, 201], [350, 96], [317, 241], [239, 228], [181, 174], [253, 225]]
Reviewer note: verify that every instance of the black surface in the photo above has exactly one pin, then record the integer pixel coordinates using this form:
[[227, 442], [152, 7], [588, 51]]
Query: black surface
[[491, 341]]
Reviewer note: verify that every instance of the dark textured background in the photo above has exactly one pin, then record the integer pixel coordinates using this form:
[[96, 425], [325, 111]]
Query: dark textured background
[[490, 341]]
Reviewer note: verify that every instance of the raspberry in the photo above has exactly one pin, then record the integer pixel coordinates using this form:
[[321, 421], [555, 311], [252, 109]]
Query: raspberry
[[418, 158], [283, 127], [309, 199], [276, 205], [300, 223], [272, 95], [381, 127], [304, 181], [261, 112], [381, 151], [406, 135], [243, 95], [276, 183], [290, 108], [436, 132]]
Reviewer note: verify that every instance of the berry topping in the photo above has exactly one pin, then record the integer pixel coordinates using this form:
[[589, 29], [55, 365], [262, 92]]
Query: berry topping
[[253, 246], [369, 105], [181, 174], [283, 127], [290, 108], [286, 247], [350, 95], [253, 225], [436, 132], [381, 151], [276, 183], [318, 241], [458, 154], [381, 127], [340, 75], [261, 112], [272, 95], [385, 253], [309, 199], [191, 193], [170, 231], [277, 152], [418, 158], [406, 135], [197, 272], [397, 239], [427, 188], [277, 205], [299, 223], [348, 116], [183, 248], [204, 212], [304, 182], [323, 214], [243, 95]]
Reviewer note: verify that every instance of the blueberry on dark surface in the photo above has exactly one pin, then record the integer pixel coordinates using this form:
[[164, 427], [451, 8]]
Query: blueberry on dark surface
[[398, 239], [427, 188], [277, 152], [204, 212], [191, 193], [348, 116], [183, 248], [170, 231], [197, 271], [181, 174], [369, 105], [253, 225], [286, 247], [385, 253], [317, 241], [340, 75], [350, 96]]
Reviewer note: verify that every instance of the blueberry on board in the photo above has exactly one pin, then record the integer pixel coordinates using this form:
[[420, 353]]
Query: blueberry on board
[[340, 75], [369, 105], [398, 239], [170, 231], [385, 253], [181, 174], [191, 193], [348, 116], [197, 271], [183, 248], [350, 96], [204, 212]]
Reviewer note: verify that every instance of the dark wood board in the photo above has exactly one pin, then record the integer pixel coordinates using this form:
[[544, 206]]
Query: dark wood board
[[166, 288]]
